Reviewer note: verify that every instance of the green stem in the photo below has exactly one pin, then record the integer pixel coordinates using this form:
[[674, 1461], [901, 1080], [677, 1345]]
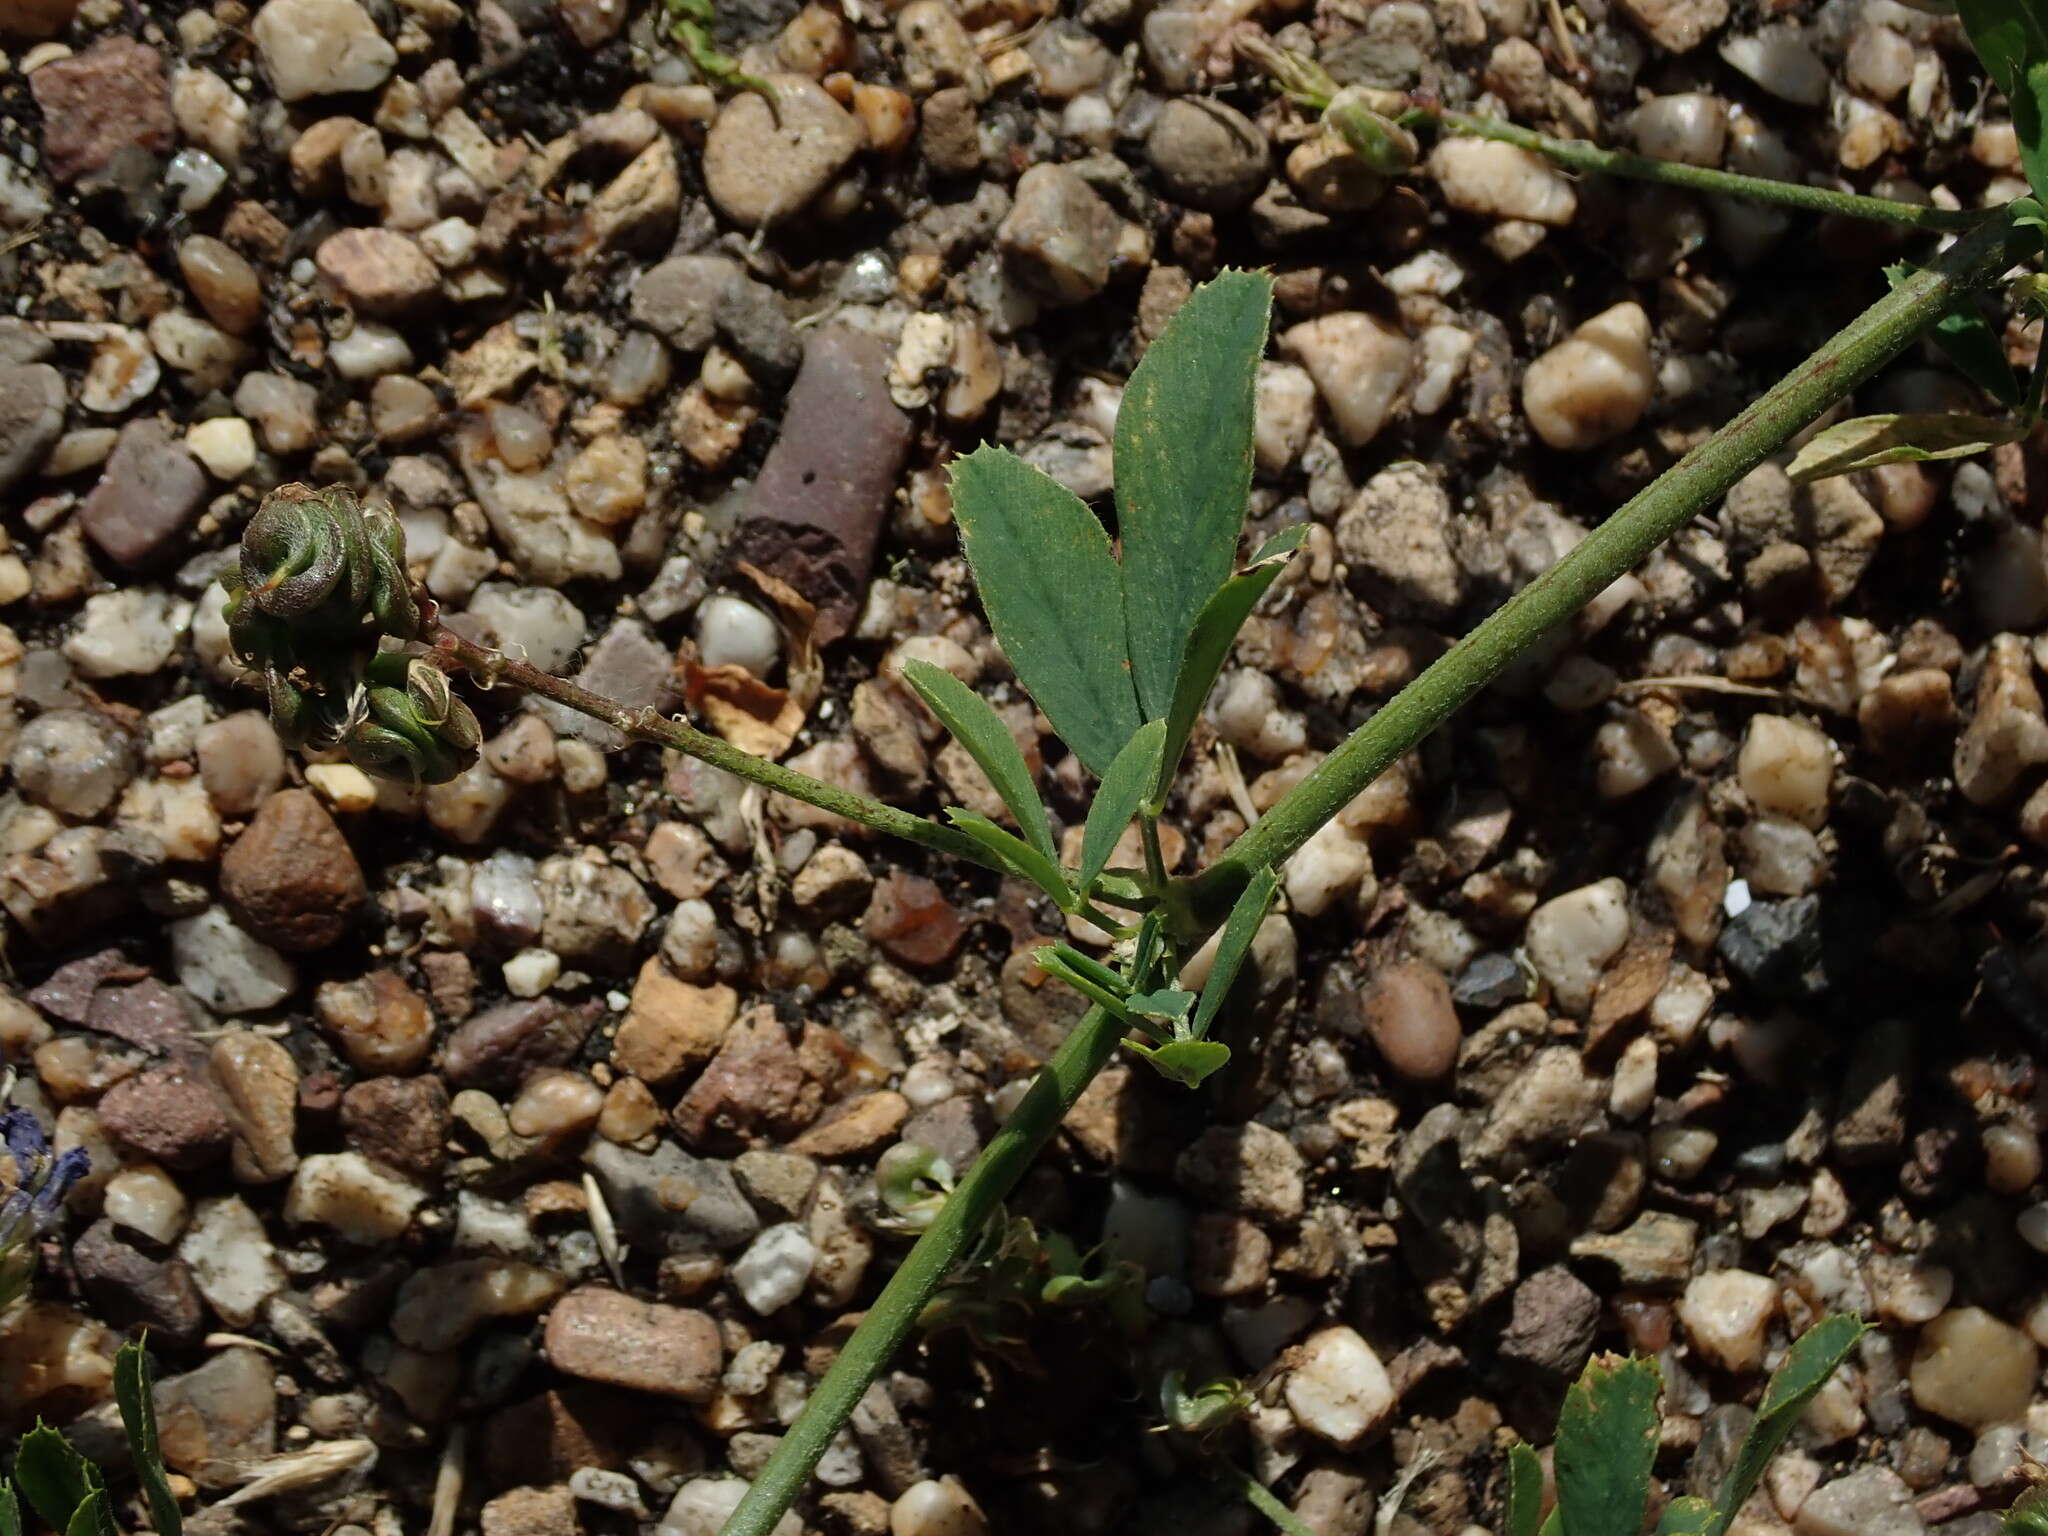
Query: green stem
[[492, 667], [1671, 501], [895, 1312], [1267, 1503], [1578, 155]]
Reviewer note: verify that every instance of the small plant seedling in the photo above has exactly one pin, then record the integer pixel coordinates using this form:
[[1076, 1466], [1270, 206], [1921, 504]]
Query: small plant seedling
[[67, 1492], [1607, 1443]]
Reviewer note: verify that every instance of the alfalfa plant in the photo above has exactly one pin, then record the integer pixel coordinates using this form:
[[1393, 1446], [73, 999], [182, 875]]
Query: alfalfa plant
[[68, 1492], [1117, 643], [1606, 1446]]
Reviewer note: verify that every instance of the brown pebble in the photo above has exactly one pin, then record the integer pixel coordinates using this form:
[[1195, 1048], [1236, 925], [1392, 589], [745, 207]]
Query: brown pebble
[[223, 282], [1410, 1017], [291, 879], [603, 1335]]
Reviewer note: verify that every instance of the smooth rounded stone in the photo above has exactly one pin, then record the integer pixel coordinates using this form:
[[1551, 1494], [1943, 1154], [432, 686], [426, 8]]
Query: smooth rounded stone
[[31, 417], [145, 1200], [285, 410], [1360, 364], [74, 761], [522, 439], [241, 761], [533, 624], [765, 164], [1336, 1388], [223, 282], [1248, 714], [1727, 1316], [1412, 1020], [1595, 384], [291, 879], [703, 1505], [1501, 181], [1787, 767], [530, 973], [1571, 938], [197, 347], [369, 351], [1879, 62], [381, 272], [555, 1104], [1681, 1153], [689, 940], [775, 1268], [1059, 237], [1331, 865], [226, 445], [1909, 1290], [1779, 60], [600, 1334], [1631, 753], [2032, 1225], [2012, 1158], [320, 48], [123, 372], [150, 489], [1690, 128], [466, 809], [232, 1260], [352, 1197], [1208, 155], [1871, 1501], [129, 1285], [1972, 1369], [228, 968], [937, 1507], [1780, 857], [732, 632], [132, 632], [440, 1308]]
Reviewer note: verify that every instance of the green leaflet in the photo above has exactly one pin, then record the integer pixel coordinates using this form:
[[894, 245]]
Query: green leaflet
[[1054, 597], [1092, 980], [1813, 1358], [2029, 1517], [133, 1391], [52, 1476], [1016, 855], [2008, 36], [1186, 1062], [1239, 929], [1184, 469], [1606, 1441], [1118, 797], [1208, 644], [94, 1516], [1685, 1516], [1868, 441], [977, 727], [2029, 113], [10, 1510], [1525, 1490], [1168, 1005]]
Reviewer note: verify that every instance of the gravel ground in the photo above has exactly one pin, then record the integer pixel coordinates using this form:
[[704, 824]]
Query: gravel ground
[[502, 1156]]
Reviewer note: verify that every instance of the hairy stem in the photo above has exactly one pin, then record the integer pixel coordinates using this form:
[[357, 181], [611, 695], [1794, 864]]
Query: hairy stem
[[1267, 1503], [889, 1321], [1610, 551], [491, 667], [1578, 155]]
